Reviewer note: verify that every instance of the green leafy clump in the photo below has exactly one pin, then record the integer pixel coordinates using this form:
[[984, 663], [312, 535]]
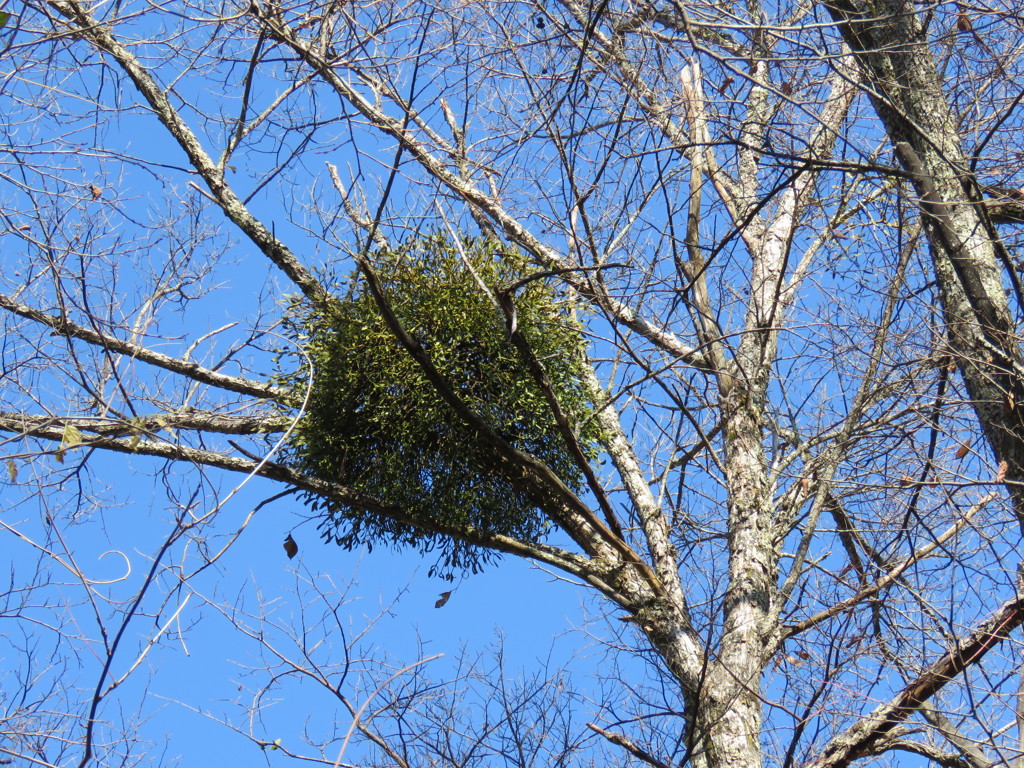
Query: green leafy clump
[[375, 423]]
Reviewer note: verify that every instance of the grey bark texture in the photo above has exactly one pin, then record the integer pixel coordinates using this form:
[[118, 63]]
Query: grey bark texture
[[892, 49]]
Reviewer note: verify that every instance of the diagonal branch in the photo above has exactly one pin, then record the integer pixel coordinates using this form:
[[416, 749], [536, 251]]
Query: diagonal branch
[[968, 748], [213, 174], [536, 478], [863, 737], [487, 203], [621, 741], [595, 573], [191, 370], [889, 578]]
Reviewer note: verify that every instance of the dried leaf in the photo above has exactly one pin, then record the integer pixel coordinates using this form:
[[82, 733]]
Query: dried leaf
[[290, 547], [70, 437], [442, 599], [725, 85], [786, 88], [962, 450], [96, 191], [12, 470], [963, 23], [1001, 472]]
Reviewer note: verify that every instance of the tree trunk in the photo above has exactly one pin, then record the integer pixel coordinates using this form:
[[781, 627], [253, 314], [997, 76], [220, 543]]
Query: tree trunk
[[891, 47]]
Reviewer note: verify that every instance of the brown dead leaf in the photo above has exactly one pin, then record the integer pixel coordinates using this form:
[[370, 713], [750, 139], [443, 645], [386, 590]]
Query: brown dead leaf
[[1001, 472], [290, 547], [962, 450]]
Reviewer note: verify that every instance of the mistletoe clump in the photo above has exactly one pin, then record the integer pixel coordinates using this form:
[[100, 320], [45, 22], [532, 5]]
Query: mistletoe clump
[[376, 424]]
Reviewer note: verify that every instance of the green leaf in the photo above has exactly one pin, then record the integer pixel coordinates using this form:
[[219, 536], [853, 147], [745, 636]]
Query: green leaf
[[4, 18], [12, 470], [376, 423]]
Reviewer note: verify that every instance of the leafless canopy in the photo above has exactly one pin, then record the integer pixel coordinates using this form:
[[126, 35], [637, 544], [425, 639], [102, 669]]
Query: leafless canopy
[[791, 235]]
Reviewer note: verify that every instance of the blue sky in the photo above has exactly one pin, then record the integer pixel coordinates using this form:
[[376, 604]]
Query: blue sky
[[537, 622], [202, 667], [146, 203]]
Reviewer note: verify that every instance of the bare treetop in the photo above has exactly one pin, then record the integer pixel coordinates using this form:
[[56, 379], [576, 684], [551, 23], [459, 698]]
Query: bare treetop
[[711, 308]]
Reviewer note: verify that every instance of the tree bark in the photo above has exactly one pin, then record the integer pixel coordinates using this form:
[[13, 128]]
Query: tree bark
[[891, 47]]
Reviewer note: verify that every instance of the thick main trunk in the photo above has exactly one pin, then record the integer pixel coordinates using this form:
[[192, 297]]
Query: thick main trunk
[[729, 718], [731, 732], [723, 698], [723, 713]]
